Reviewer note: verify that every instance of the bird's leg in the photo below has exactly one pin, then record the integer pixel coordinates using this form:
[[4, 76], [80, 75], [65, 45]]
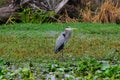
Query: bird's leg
[[63, 56]]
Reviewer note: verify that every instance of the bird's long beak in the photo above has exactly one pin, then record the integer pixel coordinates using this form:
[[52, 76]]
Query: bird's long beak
[[74, 28]]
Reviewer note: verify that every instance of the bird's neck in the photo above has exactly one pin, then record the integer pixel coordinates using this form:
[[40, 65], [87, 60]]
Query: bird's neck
[[68, 34]]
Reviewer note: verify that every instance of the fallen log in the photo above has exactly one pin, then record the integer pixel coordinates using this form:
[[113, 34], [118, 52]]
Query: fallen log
[[5, 12]]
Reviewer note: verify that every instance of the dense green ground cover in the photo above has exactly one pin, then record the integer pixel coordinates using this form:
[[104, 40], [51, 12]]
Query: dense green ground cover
[[32, 46]]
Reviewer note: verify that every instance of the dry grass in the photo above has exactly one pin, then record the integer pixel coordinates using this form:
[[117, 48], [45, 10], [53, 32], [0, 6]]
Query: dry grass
[[66, 18], [109, 12], [87, 15]]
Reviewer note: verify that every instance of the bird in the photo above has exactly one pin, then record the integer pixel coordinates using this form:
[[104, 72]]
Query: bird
[[62, 39]]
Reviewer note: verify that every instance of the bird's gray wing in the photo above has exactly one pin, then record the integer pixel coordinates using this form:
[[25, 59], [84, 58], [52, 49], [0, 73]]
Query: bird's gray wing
[[60, 41]]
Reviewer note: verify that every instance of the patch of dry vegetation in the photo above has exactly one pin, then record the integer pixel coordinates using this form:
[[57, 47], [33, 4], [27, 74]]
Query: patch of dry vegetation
[[108, 12], [66, 18]]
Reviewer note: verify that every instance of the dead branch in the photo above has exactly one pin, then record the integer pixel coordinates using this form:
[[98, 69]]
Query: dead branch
[[60, 5]]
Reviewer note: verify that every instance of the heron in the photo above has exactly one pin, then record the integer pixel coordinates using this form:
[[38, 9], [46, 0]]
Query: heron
[[62, 39]]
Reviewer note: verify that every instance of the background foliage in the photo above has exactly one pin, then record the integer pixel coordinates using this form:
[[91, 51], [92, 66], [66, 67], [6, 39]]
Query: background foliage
[[74, 11]]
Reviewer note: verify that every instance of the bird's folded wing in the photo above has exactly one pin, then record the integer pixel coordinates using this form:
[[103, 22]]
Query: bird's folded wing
[[60, 41]]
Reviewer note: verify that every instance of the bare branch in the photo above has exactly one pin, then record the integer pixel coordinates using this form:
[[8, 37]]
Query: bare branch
[[60, 5]]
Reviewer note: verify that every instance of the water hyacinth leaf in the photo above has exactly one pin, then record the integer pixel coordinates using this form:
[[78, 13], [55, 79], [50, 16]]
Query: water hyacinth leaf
[[105, 66]]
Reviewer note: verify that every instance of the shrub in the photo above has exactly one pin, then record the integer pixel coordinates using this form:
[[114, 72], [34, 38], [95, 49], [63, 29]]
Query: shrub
[[28, 15]]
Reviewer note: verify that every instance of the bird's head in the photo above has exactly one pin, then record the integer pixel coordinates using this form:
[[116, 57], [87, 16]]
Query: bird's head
[[69, 28]]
